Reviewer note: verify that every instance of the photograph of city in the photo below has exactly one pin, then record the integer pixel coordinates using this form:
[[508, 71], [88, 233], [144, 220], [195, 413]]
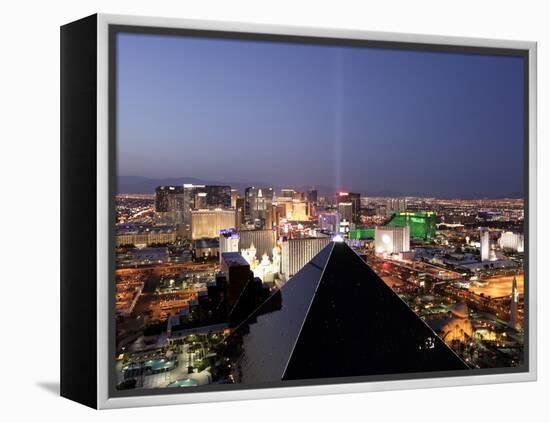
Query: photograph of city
[[294, 211]]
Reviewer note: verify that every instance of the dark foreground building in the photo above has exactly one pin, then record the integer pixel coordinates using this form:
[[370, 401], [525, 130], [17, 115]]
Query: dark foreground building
[[335, 318]]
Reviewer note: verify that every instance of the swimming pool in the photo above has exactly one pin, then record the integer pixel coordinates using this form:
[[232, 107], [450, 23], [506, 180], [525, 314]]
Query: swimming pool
[[183, 382], [155, 365]]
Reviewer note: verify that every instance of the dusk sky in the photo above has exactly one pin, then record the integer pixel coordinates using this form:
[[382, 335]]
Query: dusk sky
[[363, 119]]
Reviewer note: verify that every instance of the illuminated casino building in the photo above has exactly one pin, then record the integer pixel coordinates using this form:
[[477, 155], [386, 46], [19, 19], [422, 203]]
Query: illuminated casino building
[[136, 234], [297, 252], [209, 223], [458, 327], [361, 233], [422, 224], [335, 310], [391, 239], [173, 204], [263, 239], [511, 241]]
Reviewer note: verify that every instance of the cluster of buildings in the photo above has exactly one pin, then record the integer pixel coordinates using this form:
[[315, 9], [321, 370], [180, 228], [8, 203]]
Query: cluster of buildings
[[139, 234], [259, 248]]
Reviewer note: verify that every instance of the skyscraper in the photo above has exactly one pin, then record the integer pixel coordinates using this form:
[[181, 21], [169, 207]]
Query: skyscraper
[[312, 196], [257, 201], [234, 196], [345, 210], [354, 201], [216, 196], [514, 304], [484, 244], [395, 205], [170, 202]]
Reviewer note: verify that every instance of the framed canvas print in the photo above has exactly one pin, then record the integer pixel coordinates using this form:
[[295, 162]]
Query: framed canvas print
[[253, 211]]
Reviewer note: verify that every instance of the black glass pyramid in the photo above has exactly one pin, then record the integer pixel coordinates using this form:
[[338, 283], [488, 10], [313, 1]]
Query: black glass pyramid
[[335, 318]]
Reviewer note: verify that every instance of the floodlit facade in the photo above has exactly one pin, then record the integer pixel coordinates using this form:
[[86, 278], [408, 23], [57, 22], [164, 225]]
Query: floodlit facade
[[511, 241], [209, 223], [263, 239], [485, 244], [144, 235], [391, 239], [297, 252]]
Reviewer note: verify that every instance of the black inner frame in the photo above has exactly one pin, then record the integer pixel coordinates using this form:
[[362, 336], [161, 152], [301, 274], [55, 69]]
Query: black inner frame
[[113, 30]]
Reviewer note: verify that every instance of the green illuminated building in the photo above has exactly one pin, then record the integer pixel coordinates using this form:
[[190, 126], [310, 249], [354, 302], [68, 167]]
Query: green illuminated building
[[422, 224], [356, 234]]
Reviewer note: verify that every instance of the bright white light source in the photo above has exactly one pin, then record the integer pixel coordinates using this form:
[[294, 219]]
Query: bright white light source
[[386, 239], [338, 238]]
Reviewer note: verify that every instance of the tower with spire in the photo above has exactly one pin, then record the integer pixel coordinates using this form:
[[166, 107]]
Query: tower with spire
[[514, 304]]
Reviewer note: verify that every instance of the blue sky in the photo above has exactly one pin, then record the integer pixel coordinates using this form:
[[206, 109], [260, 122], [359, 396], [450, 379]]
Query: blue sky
[[358, 118]]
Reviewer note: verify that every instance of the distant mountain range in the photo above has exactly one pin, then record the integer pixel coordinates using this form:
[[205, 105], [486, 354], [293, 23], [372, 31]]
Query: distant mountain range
[[144, 185]]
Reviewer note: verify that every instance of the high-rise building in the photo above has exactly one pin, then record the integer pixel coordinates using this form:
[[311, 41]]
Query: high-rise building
[[300, 210], [263, 239], [329, 221], [312, 196], [511, 241], [335, 310], [395, 205], [234, 196], [391, 239], [287, 193], [237, 274], [295, 253], [345, 210], [257, 202], [209, 223], [514, 304], [350, 198], [240, 211], [170, 203], [215, 196], [201, 202], [484, 244], [273, 217]]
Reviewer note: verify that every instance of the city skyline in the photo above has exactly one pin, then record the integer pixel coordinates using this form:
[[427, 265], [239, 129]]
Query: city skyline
[[292, 211], [323, 115]]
